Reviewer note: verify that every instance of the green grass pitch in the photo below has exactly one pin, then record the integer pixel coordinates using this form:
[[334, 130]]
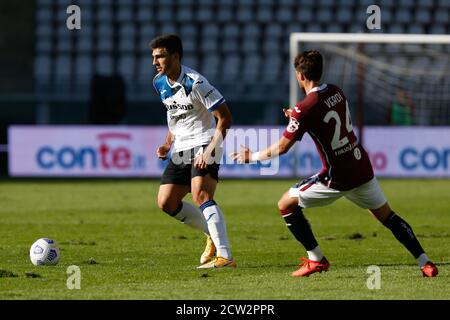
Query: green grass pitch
[[127, 249]]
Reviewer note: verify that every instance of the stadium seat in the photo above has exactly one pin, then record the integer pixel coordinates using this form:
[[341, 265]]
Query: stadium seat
[[43, 46], [251, 30], [438, 29], [168, 28], [83, 71], [386, 4], [104, 14], [185, 15], [230, 31], [44, 30], [104, 44], [126, 45], [270, 45], [244, 14], [165, 14], [326, 4], [145, 73], [44, 14], [289, 4], [224, 3], [403, 16], [147, 32], [270, 69], [250, 45], [226, 14], [284, 14], [251, 66], [442, 16], [210, 65], [422, 16], [105, 30], [265, 3], [334, 28], [188, 31], [306, 3], [145, 14], [386, 18], [43, 67], [125, 13], [406, 4], [210, 30], [396, 28], [314, 27], [41, 3], [191, 60], [416, 29], [189, 44], [344, 15], [346, 3], [209, 45], [264, 14], [444, 4], [127, 30], [229, 45], [204, 14], [231, 64], [126, 67], [305, 15], [273, 31], [425, 4], [104, 64], [63, 74], [64, 45]]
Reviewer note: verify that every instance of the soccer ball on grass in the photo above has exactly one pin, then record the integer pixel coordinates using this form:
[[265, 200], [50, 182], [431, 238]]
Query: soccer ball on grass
[[44, 252]]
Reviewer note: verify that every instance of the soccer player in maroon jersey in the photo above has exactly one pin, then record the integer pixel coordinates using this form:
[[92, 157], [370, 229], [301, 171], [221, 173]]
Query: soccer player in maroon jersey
[[347, 172]]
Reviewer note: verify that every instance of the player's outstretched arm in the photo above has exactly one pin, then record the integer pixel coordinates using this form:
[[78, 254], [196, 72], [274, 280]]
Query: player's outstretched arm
[[276, 149]]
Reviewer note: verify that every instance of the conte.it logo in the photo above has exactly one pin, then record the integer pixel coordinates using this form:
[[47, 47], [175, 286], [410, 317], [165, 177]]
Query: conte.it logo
[[112, 152]]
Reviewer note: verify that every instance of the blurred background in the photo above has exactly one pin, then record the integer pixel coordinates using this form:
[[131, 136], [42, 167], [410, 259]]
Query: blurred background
[[102, 73]]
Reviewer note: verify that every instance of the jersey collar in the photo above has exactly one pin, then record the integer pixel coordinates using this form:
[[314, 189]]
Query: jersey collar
[[315, 89], [180, 78]]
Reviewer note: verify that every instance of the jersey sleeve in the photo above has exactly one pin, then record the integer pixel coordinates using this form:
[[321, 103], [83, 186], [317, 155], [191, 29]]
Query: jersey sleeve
[[207, 95], [297, 125]]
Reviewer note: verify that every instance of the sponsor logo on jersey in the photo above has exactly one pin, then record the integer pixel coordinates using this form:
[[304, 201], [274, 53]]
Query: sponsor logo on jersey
[[178, 106], [209, 92], [293, 125]]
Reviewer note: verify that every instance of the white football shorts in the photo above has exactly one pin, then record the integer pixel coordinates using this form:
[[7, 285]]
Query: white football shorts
[[312, 193]]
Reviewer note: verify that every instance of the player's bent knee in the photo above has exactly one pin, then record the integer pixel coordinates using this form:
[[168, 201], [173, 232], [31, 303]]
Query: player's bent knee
[[168, 206], [200, 198], [287, 204]]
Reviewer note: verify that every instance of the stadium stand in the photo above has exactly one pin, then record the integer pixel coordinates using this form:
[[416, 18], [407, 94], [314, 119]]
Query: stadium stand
[[242, 46]]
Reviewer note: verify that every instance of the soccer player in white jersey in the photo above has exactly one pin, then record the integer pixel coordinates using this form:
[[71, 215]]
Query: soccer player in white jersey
[[346, 172], [192, 105]]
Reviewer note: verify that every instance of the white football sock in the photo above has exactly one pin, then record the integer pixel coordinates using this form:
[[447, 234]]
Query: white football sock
[[217, 228], [315, 254], [422, 260], [192, 216]]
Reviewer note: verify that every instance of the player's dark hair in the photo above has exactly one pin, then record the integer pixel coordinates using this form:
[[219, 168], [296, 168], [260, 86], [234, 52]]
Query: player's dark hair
[[171, 42], [310, 63]]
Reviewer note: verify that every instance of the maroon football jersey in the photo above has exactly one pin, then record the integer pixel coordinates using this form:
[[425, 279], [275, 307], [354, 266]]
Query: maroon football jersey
[[324, 114]]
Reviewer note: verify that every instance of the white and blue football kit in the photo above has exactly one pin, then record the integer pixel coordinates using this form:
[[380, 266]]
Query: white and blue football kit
[[189, 103]]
